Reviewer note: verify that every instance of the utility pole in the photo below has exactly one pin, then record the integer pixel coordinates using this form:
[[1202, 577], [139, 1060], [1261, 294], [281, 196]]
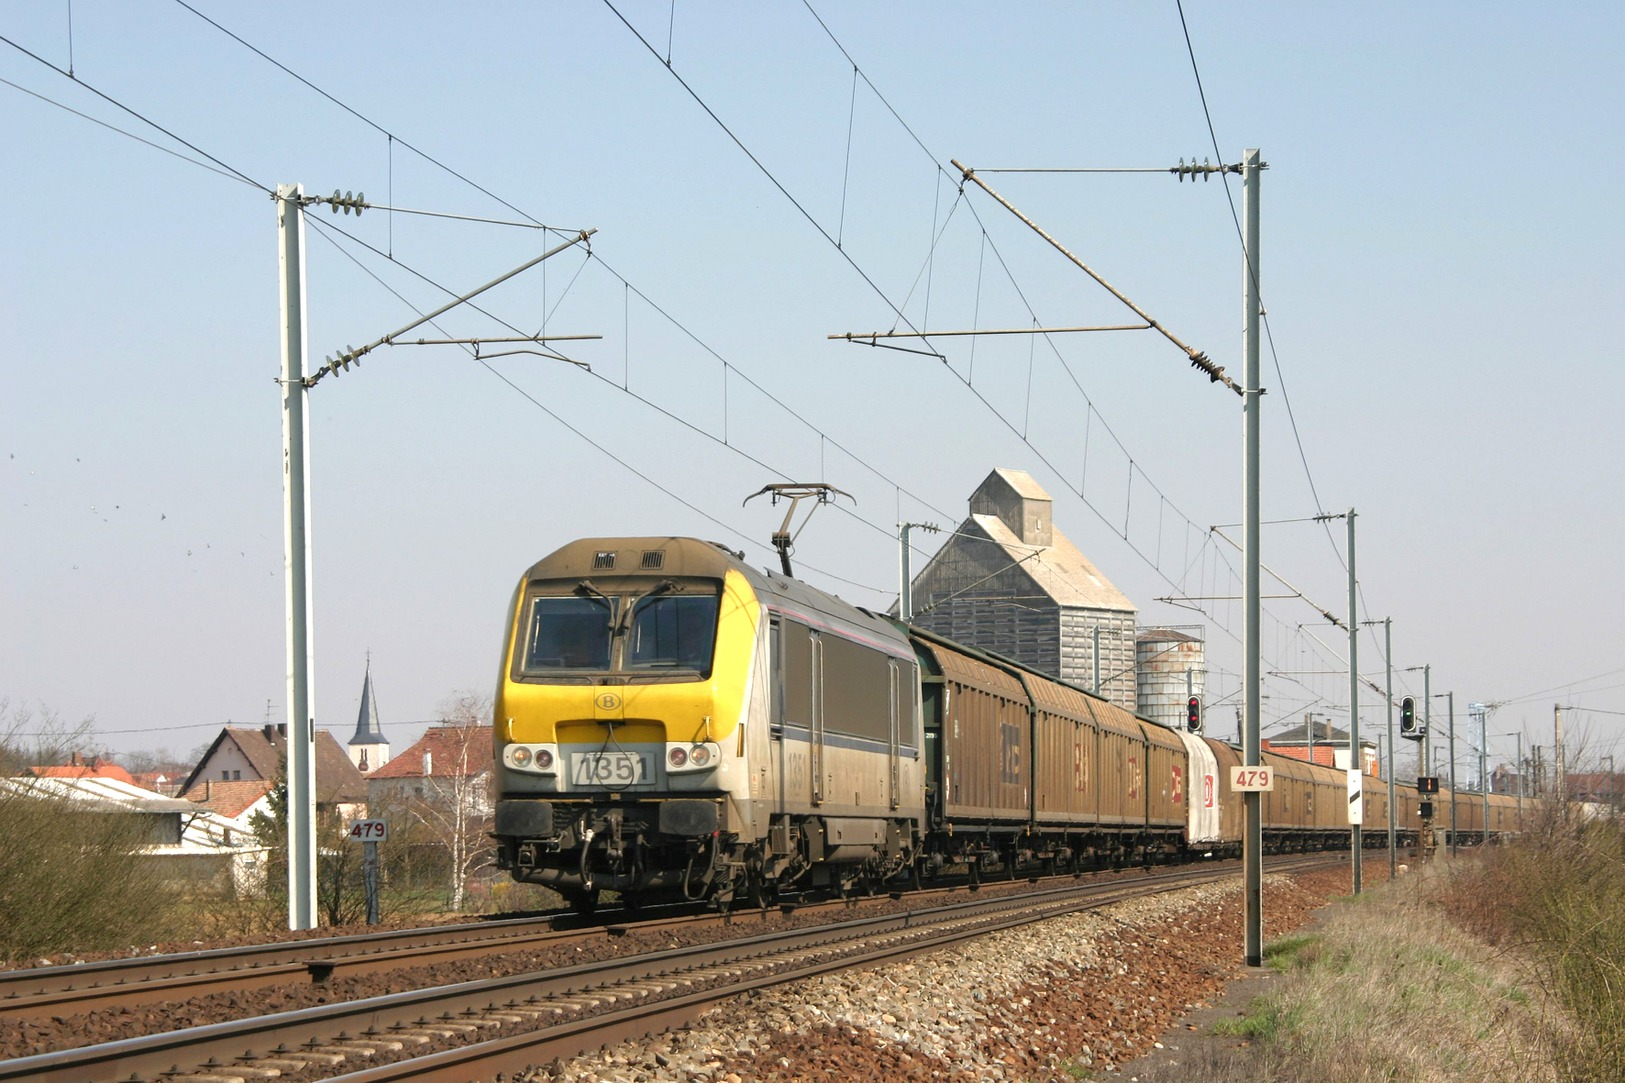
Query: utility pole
[[1388, 697], [1452, 707], [1427, 743], [1253, 846], [301, 738], [905, 595], [1520, 778], [1356, 770], [1560, 771]]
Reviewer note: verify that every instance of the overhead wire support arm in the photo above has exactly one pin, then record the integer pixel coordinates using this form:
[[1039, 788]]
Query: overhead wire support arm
[[870, 337], [1197, 358], [477, 341], [353, 354]]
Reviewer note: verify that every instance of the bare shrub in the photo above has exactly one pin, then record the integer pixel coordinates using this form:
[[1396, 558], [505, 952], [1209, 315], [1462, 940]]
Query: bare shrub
[[1559, 895], [73, 879]]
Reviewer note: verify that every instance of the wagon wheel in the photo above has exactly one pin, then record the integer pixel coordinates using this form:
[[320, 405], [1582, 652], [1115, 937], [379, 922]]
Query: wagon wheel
[[759, 893]]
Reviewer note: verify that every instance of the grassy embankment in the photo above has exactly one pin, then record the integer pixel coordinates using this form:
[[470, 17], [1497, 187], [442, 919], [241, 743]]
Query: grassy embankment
[[1509, 966]]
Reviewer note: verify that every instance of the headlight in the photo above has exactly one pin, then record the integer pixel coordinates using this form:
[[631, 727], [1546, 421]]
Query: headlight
[[692, 758], [529, 758]]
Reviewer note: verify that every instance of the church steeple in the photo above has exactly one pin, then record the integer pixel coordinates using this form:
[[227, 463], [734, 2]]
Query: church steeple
[[368, 748]]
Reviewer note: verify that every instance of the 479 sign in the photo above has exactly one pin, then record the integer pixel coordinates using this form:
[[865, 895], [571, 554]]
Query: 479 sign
[[1252, 779]]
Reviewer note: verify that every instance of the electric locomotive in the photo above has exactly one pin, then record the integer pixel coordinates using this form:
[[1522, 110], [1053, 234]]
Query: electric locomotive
[[672, 722]]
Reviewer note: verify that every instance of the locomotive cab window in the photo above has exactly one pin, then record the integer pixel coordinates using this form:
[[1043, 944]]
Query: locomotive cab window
[[646, 630], [672, 632], [570, 633]]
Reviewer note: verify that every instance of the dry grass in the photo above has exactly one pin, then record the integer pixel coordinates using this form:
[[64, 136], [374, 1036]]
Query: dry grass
[[1391, 991]]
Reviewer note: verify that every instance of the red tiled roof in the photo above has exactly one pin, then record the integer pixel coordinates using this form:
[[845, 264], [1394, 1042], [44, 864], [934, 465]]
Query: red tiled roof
[[96, 768], [452, 750]]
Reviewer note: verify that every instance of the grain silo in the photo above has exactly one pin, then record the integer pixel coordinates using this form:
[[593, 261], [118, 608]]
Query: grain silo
[[1170, 666]]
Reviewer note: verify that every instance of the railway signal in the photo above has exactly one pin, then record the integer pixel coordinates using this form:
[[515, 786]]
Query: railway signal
[[1193, 714], [1408, 728]]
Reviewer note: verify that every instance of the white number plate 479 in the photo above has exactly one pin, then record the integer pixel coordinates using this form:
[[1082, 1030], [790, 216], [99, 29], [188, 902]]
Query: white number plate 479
[[1252, 779], [609, 769]]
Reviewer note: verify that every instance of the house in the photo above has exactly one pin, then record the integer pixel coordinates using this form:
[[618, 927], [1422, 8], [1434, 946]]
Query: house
[[1320, 743], [188, 842], [445, 757], [1009, 582], [245, 762], [440, 791]]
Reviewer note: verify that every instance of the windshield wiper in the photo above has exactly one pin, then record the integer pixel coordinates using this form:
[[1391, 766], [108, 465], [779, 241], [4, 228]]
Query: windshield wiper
[[588, 589], [667, 586]]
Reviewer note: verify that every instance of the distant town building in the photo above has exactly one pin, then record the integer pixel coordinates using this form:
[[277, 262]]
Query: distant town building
[[80, 767], [244, 762], [1009, 582], [1320, 743], [445, 759], [186, 842], [368, 748]]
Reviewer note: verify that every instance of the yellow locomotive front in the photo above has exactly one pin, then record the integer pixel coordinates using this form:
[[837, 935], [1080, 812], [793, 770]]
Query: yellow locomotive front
[[620, 714]]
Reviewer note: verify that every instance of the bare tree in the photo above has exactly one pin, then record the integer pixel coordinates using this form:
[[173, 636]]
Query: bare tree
[[45, 739], [455, 806]]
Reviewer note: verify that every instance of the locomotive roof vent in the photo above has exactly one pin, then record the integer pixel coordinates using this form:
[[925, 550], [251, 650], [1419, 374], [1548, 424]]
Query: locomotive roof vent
[[603, 560], [654, 560]]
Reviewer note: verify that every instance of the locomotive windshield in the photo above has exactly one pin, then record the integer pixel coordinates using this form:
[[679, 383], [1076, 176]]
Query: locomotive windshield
[[672, 632], [668, 628], [570, 633]]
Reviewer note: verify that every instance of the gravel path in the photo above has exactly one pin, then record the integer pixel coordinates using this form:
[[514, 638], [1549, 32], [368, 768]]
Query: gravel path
[[1068, 998]]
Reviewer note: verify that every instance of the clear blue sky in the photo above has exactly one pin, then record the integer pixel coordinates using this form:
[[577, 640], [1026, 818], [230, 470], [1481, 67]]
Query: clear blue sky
[[1440, 265]]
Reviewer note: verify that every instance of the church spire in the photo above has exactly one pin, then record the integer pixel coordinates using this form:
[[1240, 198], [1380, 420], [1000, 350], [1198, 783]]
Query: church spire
[[366, 726]]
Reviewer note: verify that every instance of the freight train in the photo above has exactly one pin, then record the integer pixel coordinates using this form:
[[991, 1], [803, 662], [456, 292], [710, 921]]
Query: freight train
[[671, 722]]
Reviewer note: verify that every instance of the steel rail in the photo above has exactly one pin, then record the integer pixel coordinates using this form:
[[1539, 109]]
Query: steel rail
[[328, 1036]]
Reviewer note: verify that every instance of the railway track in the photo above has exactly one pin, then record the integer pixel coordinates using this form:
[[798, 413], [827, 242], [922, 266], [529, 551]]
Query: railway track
[[479, 1029], [86, 987]]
